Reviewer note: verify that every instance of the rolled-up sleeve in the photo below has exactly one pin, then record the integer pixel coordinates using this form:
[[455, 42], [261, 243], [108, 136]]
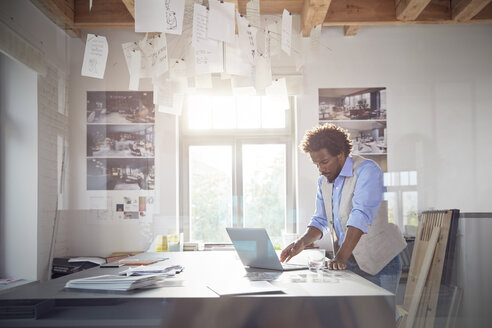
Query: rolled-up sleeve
[[368, 194], [319, 220]]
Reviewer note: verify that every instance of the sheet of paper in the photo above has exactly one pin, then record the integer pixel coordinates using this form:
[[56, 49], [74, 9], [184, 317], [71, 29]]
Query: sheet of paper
[[159, 63], [286, 32], [253, 12], [203, 81], [221, 23], [247, 38], [177, 105], [263, 76], [174, 13], [278, 92], [236, 287], [200, 40], [177, 69], [209, 61], [95, 56], [135, 69], [235, 62], [150, 16], [128, 48]]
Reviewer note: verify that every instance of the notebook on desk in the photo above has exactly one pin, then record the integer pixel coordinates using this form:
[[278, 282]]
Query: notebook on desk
[[256, 250]]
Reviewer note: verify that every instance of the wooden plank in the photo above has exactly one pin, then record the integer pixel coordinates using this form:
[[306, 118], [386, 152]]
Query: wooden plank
[[465, 10], [60, 12], [130, 6], [426, 264], [313, 13], [104, 14], [350, 30], [410, 9]]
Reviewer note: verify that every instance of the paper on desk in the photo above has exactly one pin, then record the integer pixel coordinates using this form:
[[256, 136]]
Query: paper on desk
[[237, 287], [286, 32], [247, 38], [92, 259], [95, 56], [168, 270], [174, 13], [150, 16], [221, 24]]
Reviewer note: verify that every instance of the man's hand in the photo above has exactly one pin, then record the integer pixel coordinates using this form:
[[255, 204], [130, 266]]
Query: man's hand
[[337, 264], [291, 250]]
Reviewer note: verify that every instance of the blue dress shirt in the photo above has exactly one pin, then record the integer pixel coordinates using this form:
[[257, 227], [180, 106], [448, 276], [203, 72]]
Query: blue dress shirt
[[368, 194]]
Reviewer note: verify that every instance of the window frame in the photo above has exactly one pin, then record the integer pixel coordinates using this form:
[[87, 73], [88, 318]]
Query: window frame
[[237, 138]]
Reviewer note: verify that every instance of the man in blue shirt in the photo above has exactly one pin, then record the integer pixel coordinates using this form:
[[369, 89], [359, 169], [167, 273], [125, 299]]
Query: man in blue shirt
[[350, 190]]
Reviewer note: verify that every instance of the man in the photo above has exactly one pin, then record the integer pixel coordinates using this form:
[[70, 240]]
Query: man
[[350, 190]]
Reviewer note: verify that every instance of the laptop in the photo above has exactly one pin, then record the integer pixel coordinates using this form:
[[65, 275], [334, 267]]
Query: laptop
[[256, 250]]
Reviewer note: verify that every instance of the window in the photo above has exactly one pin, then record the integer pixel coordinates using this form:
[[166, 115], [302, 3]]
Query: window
[[402, 197], [236, 155]]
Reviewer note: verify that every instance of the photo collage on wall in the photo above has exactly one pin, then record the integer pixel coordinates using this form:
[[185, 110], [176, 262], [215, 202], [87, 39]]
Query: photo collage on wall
[[120, 147], [362, 112]]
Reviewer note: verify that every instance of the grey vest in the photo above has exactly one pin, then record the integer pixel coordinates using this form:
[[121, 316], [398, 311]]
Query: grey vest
[[383, 240]]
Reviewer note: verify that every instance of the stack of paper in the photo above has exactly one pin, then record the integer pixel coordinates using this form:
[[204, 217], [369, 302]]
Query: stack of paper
[[112, 282], [162, 270]]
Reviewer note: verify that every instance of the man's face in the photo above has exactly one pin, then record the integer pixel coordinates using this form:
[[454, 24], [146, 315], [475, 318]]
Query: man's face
[[328, 165]]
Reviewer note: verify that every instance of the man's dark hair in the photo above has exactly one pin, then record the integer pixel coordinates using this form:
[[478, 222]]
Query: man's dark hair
[[333, 138]]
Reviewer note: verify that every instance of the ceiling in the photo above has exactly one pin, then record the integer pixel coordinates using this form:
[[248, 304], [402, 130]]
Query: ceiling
[[74, 15]]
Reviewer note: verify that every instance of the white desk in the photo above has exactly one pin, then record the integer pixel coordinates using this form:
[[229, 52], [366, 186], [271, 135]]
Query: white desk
[[339, 296]]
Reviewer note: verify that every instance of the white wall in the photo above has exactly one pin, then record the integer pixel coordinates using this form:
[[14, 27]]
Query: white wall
[[18, 170], [439, 81]]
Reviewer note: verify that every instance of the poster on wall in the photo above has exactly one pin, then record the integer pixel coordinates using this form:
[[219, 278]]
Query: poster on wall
[[362, 112], [121, 152]]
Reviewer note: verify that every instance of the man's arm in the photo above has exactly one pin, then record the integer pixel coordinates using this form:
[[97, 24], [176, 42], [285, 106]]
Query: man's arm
[[343, 254], [311, 235]]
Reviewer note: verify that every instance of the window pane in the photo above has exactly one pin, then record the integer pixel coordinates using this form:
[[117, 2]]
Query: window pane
[[199, 113], [248, 112], [210, 192], [223, 112], [390, 197], [410, 208], [264, 188]]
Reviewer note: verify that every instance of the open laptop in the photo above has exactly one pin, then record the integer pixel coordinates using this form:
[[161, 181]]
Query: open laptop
[[256, 250]]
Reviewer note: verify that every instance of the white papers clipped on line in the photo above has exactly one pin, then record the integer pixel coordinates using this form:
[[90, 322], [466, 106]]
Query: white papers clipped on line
[[235, 62], [135, 70], [278, 93], [253, 12], [154, 56], [247, 38], [150, 16], [174, 13], [210, 61], [200, 40], [286, 32], [221, 23], [95, 56], [114, 282]]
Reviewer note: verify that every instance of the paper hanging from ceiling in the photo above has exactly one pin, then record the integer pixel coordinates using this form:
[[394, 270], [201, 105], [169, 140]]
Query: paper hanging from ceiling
[[286, 43], [150, 16], [263, 76], [221, 24], [247, 38], [253, 12], [210, 61], [200, 40], [278, 91], [235, 62], [135, 69], [95, 56], [174, 13], [203, 81]]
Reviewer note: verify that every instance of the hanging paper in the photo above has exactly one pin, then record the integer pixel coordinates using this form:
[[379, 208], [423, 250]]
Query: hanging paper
[[221, 24], [278, 92], [128, 48], [160, 63], [95, 56], [253, 12], [200, 39], [247, 38], [135, 70], [203, 81], [174, 12], [150, 16], [286, 32], [209, 61], [263, 76], [235, 62]]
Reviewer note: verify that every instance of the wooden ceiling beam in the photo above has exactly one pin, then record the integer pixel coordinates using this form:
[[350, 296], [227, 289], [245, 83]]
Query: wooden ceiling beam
[[350, 30], [409, 10], [104, 14], [130, 6], [313, 13], [60, 12], [465, 10]]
